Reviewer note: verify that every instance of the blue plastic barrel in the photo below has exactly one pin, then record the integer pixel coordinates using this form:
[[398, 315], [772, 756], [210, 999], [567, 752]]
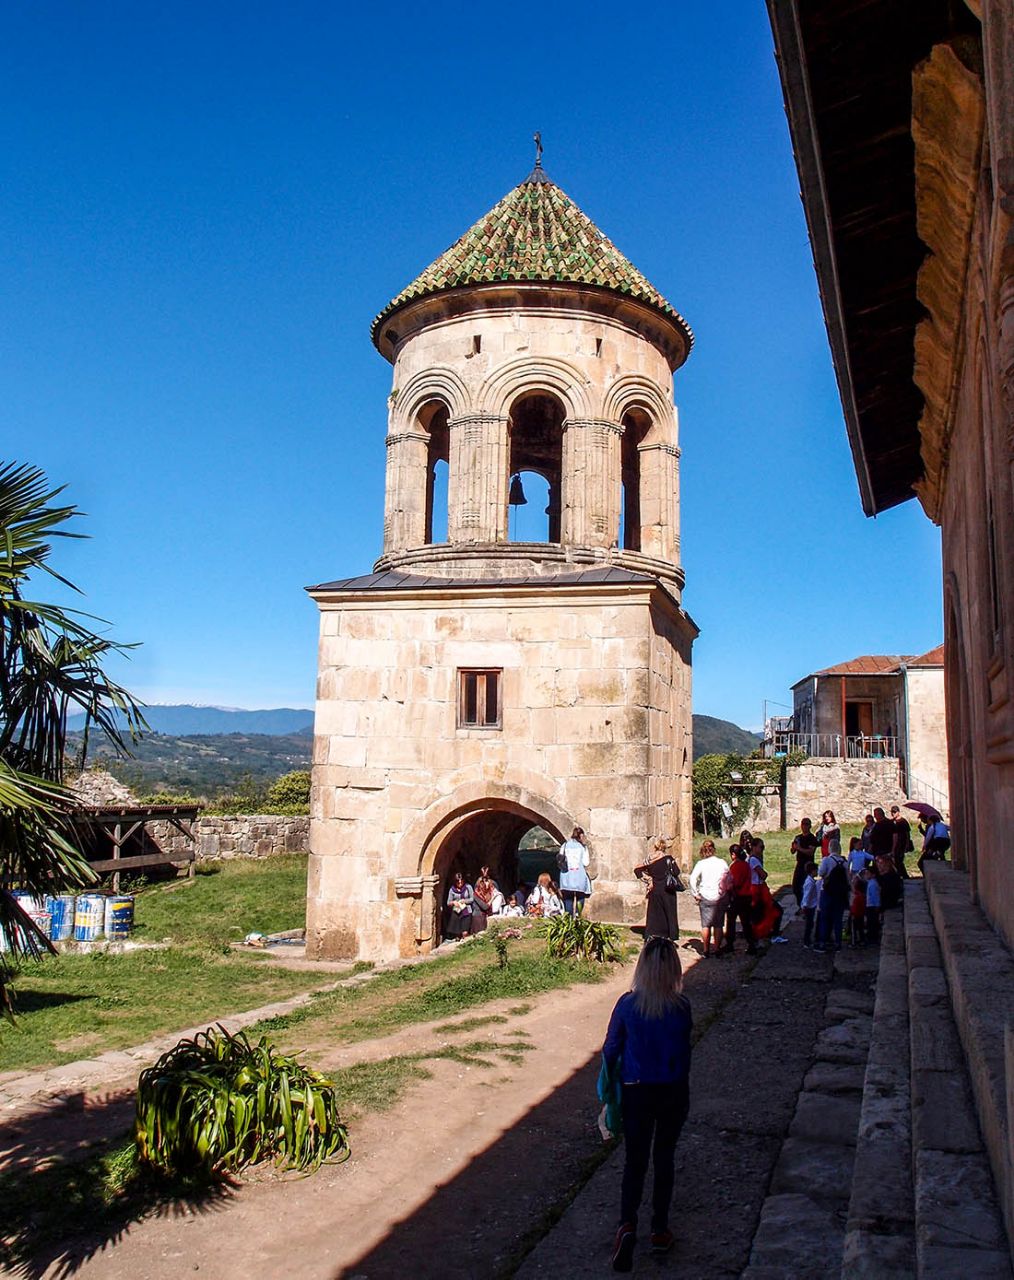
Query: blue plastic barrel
[[61, 912], [119, 915], [89, 917]]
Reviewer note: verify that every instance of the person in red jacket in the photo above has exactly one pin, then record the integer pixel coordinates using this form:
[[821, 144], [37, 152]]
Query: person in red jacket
[[741, 904]]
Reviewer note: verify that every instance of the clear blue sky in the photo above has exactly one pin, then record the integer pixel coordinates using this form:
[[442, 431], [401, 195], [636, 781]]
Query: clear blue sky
[[205, 205]]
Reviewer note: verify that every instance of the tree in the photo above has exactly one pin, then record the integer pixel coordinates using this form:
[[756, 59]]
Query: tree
[[290, 791], [51, 662]]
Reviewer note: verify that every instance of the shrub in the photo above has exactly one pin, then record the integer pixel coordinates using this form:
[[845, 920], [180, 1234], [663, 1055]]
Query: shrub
[[569, 935], [218, 1102], [290, 790]]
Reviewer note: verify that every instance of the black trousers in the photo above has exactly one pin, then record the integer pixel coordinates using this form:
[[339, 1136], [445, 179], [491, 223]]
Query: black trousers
[[739, 909], [653, 1115]]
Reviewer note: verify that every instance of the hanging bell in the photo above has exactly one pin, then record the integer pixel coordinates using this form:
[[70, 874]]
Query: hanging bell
[[517, 494]]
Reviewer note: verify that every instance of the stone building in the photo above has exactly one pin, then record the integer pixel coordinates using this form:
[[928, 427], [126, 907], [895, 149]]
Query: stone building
[[474, 689], [878, 707], [902, 122]]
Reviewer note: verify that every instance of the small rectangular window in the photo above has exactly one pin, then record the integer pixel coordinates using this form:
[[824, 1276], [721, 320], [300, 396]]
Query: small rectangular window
[[478, 699]]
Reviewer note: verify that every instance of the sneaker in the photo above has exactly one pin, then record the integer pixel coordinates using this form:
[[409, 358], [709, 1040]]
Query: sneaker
[[662, 1242], [778, 938], [623, 1248]]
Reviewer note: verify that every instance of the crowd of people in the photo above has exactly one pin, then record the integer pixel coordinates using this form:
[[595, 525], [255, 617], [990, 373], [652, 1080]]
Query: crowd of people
[[469, 906], [644, 1081]]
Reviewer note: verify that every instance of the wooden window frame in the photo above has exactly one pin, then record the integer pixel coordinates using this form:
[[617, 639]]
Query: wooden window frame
[[482, 676]]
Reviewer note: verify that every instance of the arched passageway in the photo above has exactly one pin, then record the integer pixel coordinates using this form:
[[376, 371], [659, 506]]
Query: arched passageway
[[516, 847]]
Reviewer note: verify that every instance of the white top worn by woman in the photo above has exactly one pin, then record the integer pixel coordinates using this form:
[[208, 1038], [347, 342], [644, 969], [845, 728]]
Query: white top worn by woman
[[551, 904], [573, 863]]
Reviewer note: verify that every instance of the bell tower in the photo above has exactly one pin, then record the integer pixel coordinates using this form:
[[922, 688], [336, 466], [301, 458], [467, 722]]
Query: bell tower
[[480, 692]]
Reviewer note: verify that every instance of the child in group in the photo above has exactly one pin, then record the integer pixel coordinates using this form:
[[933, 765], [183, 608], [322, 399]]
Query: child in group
[[857, 912], [872, 917], [808, 903], [858, 860]]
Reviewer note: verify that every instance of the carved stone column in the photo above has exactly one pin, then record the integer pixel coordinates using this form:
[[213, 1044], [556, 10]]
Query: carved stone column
[[405, 490], [423, 889], [477, 479], [591, 482], [660, 500]]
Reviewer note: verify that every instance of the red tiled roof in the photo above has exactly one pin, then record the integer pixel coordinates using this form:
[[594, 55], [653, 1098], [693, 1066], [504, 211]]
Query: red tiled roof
[[934, 658], [870, 664]]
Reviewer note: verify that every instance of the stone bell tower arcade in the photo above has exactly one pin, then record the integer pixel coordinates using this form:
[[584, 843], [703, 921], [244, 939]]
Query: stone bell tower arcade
[[476, 692]]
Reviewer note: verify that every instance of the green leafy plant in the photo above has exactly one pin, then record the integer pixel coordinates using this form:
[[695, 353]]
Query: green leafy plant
[[217, 1102], [291, 790], [569, 935], [51, 665], [500, 945]]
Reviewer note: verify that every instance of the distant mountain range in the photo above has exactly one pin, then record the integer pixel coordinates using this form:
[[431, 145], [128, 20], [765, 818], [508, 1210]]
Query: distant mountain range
[[182, 720], [179, 720], [209, 749]]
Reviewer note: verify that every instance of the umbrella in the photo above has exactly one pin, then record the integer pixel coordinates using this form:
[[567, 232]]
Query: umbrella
[[923, 810]]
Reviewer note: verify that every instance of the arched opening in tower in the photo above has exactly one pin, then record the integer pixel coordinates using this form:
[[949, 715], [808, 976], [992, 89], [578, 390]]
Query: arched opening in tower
[[536, 458], [636, 425], [433, 419], [516, 848]]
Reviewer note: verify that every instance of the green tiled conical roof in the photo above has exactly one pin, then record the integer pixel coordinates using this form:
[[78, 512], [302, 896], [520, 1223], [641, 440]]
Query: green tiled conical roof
[[536, 233]]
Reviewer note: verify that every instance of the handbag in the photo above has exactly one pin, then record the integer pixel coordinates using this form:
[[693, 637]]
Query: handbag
[[673, 883]]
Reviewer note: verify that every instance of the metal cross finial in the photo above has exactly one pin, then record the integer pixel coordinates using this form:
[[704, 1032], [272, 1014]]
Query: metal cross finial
[[538, 150]]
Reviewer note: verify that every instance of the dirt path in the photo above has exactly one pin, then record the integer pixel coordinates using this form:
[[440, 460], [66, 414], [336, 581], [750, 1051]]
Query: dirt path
[[448, 1183]]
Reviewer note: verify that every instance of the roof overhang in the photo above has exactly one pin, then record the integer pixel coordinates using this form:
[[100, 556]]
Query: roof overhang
[[530, 593], [846, 71], [666, 330]]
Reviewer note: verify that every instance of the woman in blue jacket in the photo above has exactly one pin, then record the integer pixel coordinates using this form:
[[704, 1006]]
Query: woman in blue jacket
[[648, 1047]]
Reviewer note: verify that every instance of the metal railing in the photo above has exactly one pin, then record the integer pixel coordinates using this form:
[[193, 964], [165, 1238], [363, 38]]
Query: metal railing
[[928, 794], [876, 746]]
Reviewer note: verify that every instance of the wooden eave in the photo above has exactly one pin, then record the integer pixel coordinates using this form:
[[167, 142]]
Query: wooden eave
[[846, 69]]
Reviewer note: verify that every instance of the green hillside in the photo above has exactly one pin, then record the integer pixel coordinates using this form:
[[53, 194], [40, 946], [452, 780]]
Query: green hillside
[[210, 764], [203, 764], [717, 737]]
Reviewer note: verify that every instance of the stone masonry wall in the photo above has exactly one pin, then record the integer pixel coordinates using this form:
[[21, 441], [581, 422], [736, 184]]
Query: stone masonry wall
[[851, 788], [238, 836]]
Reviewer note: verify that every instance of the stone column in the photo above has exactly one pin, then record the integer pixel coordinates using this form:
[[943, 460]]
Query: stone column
[[405, 490], [477, 478], [590, 482], [659, 465]]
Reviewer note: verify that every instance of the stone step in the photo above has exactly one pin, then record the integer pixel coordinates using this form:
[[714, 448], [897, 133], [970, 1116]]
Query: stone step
[[880, 1229], [959, 1230], [802, 1227]]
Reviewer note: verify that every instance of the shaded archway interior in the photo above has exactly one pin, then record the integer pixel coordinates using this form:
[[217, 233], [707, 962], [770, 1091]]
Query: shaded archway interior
[[516, 847]]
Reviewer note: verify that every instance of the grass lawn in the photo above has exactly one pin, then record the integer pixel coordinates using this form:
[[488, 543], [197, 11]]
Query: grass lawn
[[467, 978], [71, 1006], [779, 861]]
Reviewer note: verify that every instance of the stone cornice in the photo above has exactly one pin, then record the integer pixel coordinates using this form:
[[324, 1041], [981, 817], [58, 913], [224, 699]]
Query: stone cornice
[[466, 419], [663, 446], [395, 437], [603, 424]]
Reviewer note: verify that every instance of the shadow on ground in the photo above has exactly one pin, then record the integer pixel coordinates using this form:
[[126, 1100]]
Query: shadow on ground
[[67, 1188], [484, 1220]]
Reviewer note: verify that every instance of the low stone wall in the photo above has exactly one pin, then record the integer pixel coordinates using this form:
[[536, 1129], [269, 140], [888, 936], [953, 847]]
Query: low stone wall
[[851, 788], [237, 836]]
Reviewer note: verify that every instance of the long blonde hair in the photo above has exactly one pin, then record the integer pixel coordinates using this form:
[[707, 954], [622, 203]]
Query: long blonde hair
[[658, 978]]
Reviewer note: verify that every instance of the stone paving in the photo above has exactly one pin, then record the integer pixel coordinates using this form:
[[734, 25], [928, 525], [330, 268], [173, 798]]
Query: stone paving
[[831, 1133]]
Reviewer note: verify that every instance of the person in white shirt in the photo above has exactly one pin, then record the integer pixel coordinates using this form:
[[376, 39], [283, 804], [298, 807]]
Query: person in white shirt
[[544, 899], [808, 905], [710, 887]]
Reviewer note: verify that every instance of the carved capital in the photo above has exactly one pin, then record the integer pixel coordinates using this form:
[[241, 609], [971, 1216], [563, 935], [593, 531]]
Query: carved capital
[[660, 446], [603, 426], [396, 437]]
